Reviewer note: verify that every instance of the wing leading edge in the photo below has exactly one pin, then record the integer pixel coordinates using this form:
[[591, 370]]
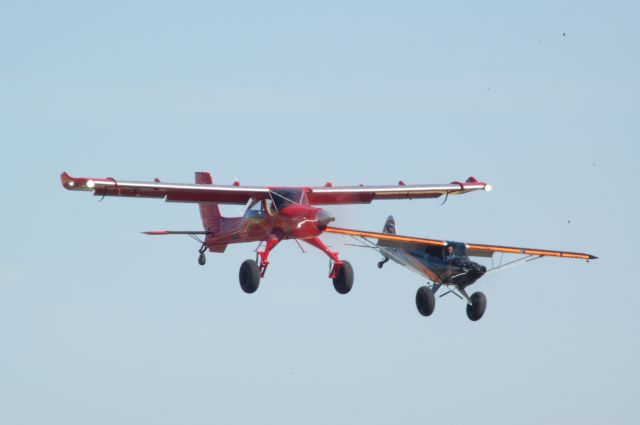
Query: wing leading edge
[[473, 250], [235, 194]]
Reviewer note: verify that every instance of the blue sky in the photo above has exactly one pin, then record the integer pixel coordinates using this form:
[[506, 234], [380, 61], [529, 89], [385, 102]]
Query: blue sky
[[100, 324]]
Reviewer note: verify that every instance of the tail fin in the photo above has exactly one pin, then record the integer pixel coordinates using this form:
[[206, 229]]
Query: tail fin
[[389, 226], [209, 211]]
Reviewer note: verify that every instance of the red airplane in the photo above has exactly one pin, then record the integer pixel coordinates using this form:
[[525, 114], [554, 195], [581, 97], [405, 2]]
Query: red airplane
[[273, 213]]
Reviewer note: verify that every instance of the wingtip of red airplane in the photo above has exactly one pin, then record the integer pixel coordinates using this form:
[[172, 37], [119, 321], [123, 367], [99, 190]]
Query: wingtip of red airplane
[[472, 183], [67, 180], [76, 183]]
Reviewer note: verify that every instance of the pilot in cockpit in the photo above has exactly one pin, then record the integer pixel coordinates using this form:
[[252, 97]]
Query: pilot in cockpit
[[449, 254]]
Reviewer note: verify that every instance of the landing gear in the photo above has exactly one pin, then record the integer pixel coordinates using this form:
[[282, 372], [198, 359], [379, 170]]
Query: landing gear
[[478, 305], [252, 271], [343, 282], [264, 255], [341, 272], [249, 276], [382, 262], [425, 301], [202, 259]]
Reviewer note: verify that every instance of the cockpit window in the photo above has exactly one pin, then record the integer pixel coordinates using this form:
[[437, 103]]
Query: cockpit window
[[255, 207], [459, 250], [282, 198]]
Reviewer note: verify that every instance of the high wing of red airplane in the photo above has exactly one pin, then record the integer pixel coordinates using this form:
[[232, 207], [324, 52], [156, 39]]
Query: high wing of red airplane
[[273, 213], [446, 263], [240, 195]]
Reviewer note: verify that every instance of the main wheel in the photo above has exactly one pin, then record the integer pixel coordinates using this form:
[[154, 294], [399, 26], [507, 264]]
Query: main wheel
[[344, 281], [249, 276], [425, 301], [475, 311], [202, 260]]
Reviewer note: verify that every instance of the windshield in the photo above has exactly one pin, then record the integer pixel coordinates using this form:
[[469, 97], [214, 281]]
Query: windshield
[[282, 198], [459, 250]]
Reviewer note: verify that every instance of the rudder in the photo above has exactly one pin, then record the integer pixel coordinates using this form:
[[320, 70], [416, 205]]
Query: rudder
[[209, 211]]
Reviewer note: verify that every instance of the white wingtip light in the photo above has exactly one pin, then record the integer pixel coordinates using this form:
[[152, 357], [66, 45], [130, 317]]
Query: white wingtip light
[[488, 188], [90, 184]]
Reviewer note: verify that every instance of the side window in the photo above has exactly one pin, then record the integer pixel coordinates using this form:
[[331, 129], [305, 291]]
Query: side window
[[269, 207], [255, 208]]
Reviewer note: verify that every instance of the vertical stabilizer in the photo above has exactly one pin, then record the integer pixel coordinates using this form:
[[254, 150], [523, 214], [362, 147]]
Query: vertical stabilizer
[[389, 226], [209, 211]]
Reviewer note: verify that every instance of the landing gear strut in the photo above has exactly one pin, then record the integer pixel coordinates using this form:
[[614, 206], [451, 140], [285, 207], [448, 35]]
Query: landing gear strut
[[202, 259], [251, 272], [264, 255], [341, 272]]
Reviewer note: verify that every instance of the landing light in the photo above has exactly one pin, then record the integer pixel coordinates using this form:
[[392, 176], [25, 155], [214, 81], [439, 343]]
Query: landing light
[[90, 184], [488, 188]]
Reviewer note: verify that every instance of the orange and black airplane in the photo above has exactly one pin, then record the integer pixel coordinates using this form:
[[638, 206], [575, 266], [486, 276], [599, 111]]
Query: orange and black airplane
[[446, 263]]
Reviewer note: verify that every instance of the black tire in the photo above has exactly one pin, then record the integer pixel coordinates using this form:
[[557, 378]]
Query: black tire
[[249, 276], [475, 311], [425, 301], [344, 281], [202, 259]]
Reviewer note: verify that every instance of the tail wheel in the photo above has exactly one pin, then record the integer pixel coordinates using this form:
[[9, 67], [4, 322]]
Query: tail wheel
[[344, 281], [249, 276], [425, 301], [478, 305], [202, 260]]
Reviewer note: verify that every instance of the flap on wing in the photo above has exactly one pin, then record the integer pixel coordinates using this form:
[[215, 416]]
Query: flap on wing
[[171, 192], [478, 250], [472, 250], [366, 194]]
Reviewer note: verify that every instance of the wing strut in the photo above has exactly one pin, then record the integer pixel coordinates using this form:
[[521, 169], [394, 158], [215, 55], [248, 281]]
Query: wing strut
[[513, 263]]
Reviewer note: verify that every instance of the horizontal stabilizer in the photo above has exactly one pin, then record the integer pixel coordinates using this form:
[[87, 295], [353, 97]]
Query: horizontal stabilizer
[[175, 232]]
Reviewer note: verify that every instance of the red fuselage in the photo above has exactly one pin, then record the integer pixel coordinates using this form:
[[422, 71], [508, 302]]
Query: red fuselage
[[261, 221]]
